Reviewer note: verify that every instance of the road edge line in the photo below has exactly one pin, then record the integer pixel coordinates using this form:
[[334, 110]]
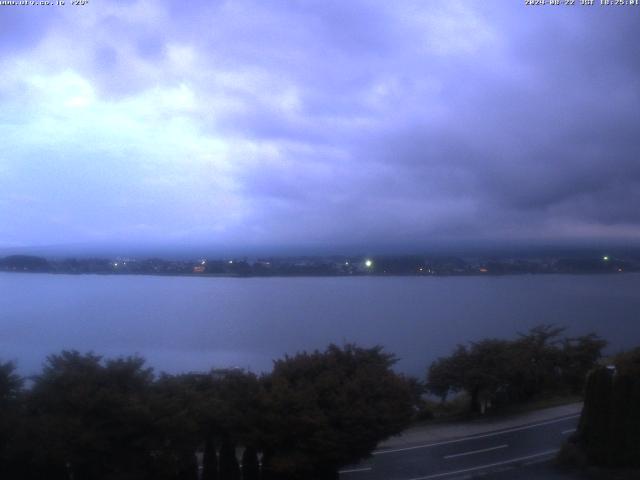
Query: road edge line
[[489, 465], [474, 437]]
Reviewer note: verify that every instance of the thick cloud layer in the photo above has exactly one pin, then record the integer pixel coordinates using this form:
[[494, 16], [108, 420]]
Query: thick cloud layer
[[286, 122]]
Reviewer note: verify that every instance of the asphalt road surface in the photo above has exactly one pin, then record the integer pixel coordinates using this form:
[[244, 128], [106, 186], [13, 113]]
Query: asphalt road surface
[[465, 457]]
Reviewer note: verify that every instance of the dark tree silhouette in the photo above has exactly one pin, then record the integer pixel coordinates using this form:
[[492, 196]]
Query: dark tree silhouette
[[210, 460], [250, 466], [89, 418], [328, 409], [10, 393], [609, 429], [580, 354], [229, 468], [499, 372]]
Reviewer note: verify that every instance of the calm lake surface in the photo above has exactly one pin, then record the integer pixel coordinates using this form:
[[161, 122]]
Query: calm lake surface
[[183, 323]]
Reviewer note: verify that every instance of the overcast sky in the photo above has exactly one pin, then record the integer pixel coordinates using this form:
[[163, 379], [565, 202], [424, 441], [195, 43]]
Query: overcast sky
[[318, 122]]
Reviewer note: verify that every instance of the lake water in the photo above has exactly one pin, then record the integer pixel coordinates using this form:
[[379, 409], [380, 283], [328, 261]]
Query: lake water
[[185, 323]]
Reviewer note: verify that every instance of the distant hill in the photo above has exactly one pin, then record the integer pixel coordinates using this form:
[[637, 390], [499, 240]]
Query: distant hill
[[24, 263]]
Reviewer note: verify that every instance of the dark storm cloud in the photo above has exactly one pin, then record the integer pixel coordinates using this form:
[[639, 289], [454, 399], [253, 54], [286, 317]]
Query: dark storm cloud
[[343, 122]]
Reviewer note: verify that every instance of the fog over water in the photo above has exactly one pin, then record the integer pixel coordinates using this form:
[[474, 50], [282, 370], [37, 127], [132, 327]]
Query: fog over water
[[184, 323]]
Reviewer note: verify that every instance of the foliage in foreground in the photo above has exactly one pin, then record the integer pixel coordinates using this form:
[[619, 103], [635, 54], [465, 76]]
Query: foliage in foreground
[[502, 372], [89, 418], [609, 430]]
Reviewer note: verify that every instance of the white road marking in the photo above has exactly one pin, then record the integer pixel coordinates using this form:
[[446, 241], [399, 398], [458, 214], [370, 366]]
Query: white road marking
[[474, 437], [354, 470], [455, 455], [489, 465], [567, 432]]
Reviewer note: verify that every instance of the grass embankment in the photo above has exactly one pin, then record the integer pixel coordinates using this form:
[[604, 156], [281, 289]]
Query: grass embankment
[[458, 408]]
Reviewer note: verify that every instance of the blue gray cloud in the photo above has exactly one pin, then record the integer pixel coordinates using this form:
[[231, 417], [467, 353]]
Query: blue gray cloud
[[286, 122]]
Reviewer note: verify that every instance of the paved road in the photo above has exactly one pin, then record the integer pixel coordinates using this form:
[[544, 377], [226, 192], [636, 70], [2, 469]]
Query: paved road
[[464, 457]]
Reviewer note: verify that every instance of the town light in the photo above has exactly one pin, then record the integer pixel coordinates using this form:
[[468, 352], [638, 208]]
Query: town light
[[368, 263]]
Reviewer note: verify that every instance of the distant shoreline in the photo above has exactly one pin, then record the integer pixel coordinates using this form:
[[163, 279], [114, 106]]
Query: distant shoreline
[[335, 266], [362, 275]]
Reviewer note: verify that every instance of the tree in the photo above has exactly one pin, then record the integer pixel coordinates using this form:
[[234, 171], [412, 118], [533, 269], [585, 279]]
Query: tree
[[10, 393], [536, 362], [580, 354], [237, 396], [250, 464], [180, 406], [229, 467], [10, 385], [625, 415], [445, 375], [482, 370], [91, 419], [218, 408], [327, 409], [209, 459], [609, 428], [494, 371], [593, 428], [486, 374]]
